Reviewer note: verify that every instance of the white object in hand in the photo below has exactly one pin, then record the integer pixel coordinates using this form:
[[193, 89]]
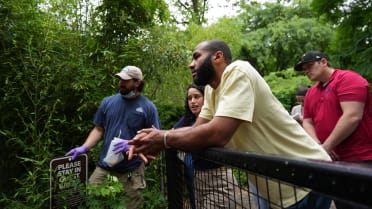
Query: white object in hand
[[111, 158]]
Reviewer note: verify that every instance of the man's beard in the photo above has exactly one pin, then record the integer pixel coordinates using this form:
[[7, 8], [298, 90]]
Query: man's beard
[[205, 73], [126, 91]]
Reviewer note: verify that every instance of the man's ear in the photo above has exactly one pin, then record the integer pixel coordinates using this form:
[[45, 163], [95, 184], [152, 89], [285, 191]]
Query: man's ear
[[218, 56], [324, 61], [137, 83]]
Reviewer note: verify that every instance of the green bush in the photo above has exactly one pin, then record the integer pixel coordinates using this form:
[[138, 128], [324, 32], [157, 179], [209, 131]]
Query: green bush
[[169, 114], [109, 194], [284, 85]]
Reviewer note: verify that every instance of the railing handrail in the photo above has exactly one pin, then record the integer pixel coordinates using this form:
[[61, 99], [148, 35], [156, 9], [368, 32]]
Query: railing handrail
[[343, 180]]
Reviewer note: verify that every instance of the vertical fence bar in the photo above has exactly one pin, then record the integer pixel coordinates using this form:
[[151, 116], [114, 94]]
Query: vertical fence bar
[[175, 182]]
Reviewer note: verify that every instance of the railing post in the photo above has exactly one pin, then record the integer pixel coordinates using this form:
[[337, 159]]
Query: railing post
[[175, 182]]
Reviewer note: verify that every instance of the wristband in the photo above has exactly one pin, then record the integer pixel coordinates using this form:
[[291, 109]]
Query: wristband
[[165, 140]]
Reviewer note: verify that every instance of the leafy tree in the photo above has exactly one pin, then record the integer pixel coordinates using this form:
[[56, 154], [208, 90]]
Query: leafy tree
[[352, 47], [226, 28], [54, 74], [275, 35], [190, 12], [37, 50], [162, 57], [284, 85], [119, 20]]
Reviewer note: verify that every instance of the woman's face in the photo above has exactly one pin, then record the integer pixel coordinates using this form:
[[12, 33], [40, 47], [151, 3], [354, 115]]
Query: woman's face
[[195, 100]]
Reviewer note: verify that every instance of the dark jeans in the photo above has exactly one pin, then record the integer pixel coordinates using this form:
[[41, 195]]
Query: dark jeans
[[313, 201]]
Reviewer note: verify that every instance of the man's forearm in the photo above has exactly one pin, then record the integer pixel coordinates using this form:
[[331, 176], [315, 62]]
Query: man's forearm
[[343, 129], [94, 136]]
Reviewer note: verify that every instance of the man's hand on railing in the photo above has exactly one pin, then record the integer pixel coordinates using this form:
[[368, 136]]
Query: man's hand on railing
[[146, 144], [146, 158], [331, 153]]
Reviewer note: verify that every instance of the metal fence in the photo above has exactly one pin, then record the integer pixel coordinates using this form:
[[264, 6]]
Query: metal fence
[[234, 184]]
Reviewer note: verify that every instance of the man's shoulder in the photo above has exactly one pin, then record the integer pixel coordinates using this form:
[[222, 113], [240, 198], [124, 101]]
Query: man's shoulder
[[239, 63], [349, 76], [144, 98], [340, 72], [111, 98], [243, 67], [146, 101]]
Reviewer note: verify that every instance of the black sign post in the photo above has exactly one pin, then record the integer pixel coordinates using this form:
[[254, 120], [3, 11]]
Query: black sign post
[[68, 179]]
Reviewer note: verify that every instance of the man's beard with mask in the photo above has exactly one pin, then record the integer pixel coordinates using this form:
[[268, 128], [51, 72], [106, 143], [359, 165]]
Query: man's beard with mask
[[127, 93], [205, 72]]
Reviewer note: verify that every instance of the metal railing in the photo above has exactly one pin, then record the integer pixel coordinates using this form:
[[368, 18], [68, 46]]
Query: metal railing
[[349, 183]]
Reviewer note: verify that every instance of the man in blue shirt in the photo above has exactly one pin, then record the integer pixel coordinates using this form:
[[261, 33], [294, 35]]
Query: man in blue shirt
[[121, 116]]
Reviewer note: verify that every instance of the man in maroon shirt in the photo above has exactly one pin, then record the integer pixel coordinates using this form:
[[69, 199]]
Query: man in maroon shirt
[[338, 110]]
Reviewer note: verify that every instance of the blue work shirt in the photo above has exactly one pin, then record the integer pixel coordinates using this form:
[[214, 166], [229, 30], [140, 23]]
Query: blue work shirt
[[122, 118]]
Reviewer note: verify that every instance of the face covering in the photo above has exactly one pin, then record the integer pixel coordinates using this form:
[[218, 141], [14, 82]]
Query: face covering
[[128, 95]]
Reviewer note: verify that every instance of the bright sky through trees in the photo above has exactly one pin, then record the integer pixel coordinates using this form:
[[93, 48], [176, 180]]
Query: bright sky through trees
[[220, 8]]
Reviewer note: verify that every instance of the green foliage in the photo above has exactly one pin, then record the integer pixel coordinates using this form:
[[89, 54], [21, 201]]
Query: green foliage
[[122, 19], [352, 46], [109, 194], [163, 60], [52, 82], [275, 36], [33, 100], [241, 177], [169, 114], [154, 192], [189, 12], [32, 191], [227, 29], [284, 85]]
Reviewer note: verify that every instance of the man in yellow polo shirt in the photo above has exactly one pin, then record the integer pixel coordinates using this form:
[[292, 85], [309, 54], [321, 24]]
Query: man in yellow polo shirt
[[240, 113]]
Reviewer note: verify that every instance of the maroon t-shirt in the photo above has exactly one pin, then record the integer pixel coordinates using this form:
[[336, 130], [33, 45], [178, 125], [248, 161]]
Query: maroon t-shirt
[[322, 104]]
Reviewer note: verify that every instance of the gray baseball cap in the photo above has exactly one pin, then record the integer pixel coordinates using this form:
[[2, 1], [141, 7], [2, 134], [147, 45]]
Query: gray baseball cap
[[130, 72]]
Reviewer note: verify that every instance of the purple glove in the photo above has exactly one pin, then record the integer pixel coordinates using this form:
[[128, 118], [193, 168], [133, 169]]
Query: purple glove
[[121, 146], [77, 151]]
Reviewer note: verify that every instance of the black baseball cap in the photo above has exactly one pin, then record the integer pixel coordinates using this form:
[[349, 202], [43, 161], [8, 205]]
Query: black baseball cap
[[310, 56]]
